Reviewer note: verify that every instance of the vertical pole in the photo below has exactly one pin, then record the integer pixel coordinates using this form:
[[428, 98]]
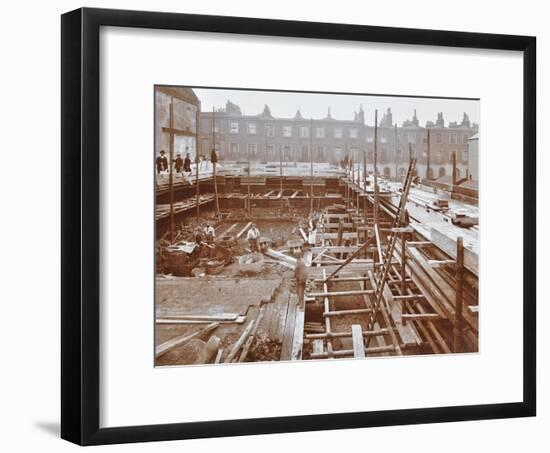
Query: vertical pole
[[376, 167], [281, 175], [311, 164], [459, 271], [403, 263], [395, 150], [365, 199], [197, 163], [453, 160], [171, 163], [248, 185], [428, 157], [213, 162]]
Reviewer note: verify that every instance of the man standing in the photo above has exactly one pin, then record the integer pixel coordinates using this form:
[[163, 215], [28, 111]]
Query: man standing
[[300, 274], [179, 163], [187, 164], [312, 231], [162, 162], [209, 233], [210, 236], [253, 237]]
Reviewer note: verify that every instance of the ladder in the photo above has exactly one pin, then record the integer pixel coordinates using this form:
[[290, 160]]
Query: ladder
[[386, 265]]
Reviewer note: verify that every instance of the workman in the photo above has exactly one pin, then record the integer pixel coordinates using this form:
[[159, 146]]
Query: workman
[[253, 237], [209, 233], [312, 231]]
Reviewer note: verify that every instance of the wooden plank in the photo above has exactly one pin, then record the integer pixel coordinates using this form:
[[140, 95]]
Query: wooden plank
[[436, 278], [252, 334], [335, 249], [448, 245], [211, 318], [341, 293], [237, 346], [298, 340], [357, 311], [210, 351], [272, 322], [335, 216], [163, 348], [218, 356], [282, 319], [169, 320], [420, 316], [226, 232], [357, 339], [336, 225], [288, 335], [317, 346], [280, 256], [346, 236]]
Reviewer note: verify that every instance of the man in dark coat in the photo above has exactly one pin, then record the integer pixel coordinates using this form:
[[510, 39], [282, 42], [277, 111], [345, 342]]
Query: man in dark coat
[[179, 164], [162, 162], [187, 164]]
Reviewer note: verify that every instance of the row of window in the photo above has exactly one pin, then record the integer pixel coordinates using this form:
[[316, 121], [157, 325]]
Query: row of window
[[287, 130], [411, 137], [252, 150], [338, 132]]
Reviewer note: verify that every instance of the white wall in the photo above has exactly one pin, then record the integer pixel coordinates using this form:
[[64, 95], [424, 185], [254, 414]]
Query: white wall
[[29, 289]]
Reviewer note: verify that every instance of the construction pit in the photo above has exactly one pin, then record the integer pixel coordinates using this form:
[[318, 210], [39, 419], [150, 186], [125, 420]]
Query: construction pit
[[388, 274]]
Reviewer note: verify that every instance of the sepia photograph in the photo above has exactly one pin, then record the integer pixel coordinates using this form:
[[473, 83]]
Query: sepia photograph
[[295, 225]]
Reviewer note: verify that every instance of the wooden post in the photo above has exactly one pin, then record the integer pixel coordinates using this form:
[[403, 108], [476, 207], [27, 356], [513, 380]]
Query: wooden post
[[170, 164], [366, 204], [214, 163], [428, 156], [453, 160], [376, 167], [281, 175], [248, 185], [197, 162], [311, 164], [365, 170], [459, 272], [403, 263], [395, 151]]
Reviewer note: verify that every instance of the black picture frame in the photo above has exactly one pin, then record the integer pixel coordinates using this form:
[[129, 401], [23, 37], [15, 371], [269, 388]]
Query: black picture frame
[[80, 264]]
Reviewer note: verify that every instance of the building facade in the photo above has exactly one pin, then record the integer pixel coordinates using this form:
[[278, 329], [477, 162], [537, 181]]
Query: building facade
[[263, 137], [185, 108]]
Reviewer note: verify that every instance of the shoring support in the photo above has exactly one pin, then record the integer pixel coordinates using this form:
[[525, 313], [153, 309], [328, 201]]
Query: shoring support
[[170, 169], [197, 161], [213, 162], [459, 271], [311, 165], [326, 306]]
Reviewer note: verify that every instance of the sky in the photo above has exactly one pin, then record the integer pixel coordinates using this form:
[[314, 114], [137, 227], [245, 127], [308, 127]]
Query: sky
[[314, 105]]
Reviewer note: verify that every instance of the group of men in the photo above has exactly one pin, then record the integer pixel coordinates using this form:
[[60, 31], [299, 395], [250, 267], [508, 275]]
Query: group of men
[[179, 163], [205, 239]]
